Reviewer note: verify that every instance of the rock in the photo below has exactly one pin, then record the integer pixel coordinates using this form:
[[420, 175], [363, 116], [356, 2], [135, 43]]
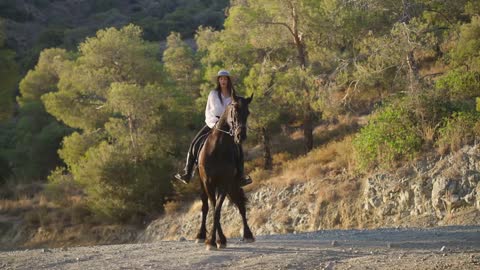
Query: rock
[[478, 196], [438, 191], [334, 243], [182, 239], [329, 266]]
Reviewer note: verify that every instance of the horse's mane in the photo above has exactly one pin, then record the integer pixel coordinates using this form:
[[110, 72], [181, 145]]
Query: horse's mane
[[222, 122]]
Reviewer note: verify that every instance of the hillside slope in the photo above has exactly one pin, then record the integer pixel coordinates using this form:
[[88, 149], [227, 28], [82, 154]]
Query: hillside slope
[[430, 192], [34, 25]]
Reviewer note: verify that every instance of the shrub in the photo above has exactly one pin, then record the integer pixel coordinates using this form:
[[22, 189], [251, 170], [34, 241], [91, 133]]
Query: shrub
[[120, 187], [460, 129], [390, 135], [61, 187], [462, 85], [171, 207]]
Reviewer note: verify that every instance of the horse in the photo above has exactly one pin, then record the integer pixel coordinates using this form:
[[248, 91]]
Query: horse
[[218, 171]]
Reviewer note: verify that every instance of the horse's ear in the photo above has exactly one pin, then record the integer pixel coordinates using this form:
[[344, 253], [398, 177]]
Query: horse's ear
[[250, 99], [234, 95]]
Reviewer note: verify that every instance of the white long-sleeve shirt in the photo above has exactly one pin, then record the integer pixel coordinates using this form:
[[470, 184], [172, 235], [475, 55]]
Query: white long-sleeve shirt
[[215, 108]]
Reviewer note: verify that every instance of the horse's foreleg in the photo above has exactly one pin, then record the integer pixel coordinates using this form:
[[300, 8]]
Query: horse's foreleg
[[238, 198], [202, 233], [222, 240], [212, 242]]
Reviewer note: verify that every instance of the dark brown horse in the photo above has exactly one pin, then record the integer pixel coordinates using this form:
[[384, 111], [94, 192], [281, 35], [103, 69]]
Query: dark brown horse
[[218, 171]]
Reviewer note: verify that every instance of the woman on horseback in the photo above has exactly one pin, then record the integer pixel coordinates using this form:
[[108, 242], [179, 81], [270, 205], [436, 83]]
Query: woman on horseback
[[217, 102]]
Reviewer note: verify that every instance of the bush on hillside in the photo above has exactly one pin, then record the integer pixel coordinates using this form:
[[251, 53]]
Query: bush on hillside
[[390, 135], [460, 129]]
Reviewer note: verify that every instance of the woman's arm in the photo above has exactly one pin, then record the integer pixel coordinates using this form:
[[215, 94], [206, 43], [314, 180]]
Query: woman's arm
[[210, 115]]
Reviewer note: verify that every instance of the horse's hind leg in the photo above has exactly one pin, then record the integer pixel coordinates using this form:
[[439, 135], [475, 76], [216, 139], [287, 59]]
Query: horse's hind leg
[[202, 233], [237, 196]]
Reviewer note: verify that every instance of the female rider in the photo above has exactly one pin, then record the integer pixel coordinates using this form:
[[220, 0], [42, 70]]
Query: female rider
[[217, 102]]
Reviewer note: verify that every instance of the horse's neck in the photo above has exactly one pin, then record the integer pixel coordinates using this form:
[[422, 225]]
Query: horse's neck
[[221, 127], [222, 122]]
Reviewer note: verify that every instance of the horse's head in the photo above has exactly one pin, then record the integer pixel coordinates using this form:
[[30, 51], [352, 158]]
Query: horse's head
[[237, 117]]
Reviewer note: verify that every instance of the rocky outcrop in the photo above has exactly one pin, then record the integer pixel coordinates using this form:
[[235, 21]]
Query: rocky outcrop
[[422, 189], [426, 193]]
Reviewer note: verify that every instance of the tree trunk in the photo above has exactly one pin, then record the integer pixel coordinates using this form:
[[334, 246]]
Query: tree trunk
[[413, 71], [308, 130], [267, 155]]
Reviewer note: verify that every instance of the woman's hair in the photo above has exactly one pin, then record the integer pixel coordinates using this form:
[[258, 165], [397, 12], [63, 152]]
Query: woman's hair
[[229, 87]]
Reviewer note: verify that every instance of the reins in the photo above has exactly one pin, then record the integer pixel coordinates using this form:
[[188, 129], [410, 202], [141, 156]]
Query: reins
[[232, 128], [230, 132]]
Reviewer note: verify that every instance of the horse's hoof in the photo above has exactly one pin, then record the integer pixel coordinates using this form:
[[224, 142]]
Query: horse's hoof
[[248, 240], [210, 247], [221, 246], [199, 241]]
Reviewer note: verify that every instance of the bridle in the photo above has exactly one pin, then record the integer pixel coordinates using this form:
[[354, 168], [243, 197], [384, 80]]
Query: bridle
[[233, 124]]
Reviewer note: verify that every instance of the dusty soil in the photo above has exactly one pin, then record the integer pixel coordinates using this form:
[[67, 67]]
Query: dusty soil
[[455, 247]]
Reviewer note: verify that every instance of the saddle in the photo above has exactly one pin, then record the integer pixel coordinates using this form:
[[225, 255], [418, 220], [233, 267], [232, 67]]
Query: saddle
[[200, 142], [198, 145]]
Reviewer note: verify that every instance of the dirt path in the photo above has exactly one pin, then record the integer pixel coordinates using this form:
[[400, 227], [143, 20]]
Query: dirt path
[[437, 248]]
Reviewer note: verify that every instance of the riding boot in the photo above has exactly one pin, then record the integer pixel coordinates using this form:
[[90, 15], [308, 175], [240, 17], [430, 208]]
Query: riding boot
[[187, 171], [243, 179]]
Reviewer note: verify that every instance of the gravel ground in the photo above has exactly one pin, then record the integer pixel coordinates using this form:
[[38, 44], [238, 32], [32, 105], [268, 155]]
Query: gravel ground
[[436, 248]]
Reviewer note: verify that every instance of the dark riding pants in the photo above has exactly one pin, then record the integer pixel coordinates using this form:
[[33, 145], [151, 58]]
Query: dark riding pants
[[196, 144]]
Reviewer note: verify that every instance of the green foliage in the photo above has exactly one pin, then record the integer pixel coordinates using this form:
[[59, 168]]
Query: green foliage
[[116, 94], [102, 5], [37, 136], [465, 54], [114, 56], [9, 76], [10, 10], [460, 129], [472, 8], [461, 85], [265, 111], [76, 145], [61, 187], [3, 35], [389, 136], [462, 82], [44, 78], [51, 37], [121, 187], [180, 64]]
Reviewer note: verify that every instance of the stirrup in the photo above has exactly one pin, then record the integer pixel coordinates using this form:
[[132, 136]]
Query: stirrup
[[182, 178], [246, 180]]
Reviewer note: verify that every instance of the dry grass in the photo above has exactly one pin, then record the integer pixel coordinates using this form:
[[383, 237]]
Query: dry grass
[[172, 207], [16, 206], [258, 217], [333, 159]]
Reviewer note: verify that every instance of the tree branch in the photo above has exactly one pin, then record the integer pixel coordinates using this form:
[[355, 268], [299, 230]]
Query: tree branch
[[283, 24]]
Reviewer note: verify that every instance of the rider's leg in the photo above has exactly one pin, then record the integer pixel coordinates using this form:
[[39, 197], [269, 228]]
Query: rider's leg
[[191, 157], [244, 179]]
